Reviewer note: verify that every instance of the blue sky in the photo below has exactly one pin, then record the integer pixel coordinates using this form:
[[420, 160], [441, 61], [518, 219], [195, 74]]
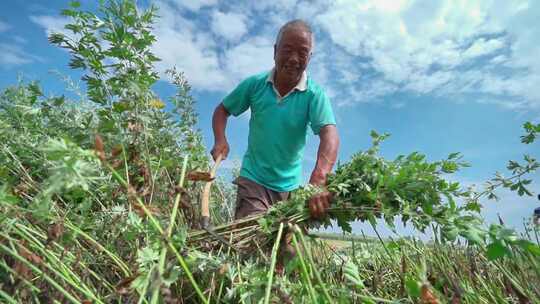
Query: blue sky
[[440, 76]]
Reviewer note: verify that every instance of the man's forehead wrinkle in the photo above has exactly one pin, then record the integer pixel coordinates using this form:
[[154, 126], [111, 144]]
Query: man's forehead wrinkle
[[295, 43]]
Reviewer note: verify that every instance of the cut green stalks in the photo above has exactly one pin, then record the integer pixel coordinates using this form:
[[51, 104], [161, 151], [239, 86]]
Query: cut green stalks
[[298, 232], [273, 264], [156, 225], [304, 271], [36, 270], [170, 228]]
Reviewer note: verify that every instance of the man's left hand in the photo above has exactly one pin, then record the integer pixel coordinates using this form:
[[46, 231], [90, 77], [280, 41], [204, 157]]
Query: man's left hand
[[319, 204]]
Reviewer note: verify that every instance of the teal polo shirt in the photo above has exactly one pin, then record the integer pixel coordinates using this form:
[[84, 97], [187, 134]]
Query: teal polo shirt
[[278, 127]]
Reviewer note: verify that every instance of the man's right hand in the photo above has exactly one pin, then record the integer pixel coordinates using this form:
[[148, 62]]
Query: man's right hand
[[221, 147]]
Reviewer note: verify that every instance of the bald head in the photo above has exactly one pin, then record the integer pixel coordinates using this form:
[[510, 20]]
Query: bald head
[[296, 24]]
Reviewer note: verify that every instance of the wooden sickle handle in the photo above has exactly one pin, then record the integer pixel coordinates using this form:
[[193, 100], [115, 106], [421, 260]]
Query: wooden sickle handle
[[205, 203]]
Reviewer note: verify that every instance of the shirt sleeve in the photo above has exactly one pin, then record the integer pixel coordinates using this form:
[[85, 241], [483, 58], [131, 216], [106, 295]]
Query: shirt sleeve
[[320, 113], [239, 100]]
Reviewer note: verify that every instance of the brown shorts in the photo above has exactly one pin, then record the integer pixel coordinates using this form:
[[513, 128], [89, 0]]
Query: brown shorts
[[253, 198]]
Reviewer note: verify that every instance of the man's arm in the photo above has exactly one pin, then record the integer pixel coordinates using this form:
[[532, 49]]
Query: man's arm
[[326, 158], [219, 123]]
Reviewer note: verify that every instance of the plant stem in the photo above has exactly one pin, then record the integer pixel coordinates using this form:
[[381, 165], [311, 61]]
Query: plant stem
[[310, 259], [39, 272], [7, 297], [305, 273], [170, 228], [273, 264], [156, 225]]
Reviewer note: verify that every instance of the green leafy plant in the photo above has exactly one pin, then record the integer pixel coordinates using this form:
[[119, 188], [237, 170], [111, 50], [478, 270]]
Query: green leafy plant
[[95, 206]]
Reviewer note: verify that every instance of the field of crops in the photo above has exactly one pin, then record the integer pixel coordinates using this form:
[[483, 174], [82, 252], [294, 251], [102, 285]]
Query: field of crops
[[99, 203]]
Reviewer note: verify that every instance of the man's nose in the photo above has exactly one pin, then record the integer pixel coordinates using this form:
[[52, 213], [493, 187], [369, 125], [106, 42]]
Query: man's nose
[[294, 58]]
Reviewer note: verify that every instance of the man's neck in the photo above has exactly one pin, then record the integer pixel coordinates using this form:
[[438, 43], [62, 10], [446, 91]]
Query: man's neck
[[284, 85]]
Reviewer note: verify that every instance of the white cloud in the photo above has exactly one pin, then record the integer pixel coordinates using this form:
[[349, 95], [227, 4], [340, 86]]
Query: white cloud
[[283, 6], [369, 90], [483, 47], [4, 26], [194, 5], [209, 65], [499, 59], [180, 48], [250, 57], [12, 55], [427, 47], [231, 26], [425, 83], [52, 24], [366, 50], [191, 48]]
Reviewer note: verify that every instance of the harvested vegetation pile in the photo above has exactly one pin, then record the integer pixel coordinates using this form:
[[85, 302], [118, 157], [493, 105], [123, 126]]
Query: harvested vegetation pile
[[368, 188], [95, 206]]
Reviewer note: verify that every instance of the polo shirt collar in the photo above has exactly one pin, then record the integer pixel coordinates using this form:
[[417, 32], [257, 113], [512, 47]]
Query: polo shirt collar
[[300, 86]]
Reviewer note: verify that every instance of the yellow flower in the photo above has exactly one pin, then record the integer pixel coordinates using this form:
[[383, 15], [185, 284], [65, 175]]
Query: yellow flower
[[156, 103]]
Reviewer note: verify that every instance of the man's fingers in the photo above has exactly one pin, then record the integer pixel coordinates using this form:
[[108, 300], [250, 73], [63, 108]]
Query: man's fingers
[[315, 203], [319, 204], [312, 209], [319, 208], [326, 202], [215, 152], [224, 152]]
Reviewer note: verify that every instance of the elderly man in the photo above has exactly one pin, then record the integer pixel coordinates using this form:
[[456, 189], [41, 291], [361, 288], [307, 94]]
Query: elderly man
[[283, 102]]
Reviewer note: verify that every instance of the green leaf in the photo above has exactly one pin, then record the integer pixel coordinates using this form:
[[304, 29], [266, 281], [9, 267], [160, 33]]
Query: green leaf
[[507, 234], [56, 38], [454, 155], [35, 89], [413, 287], [344, 224], [351, 273], [393, 246], [147, 256], [75, 4], [532, 131], [58, 101], [121, 106], [529, 247], [497, 250], [449, 167], [473, 206], [172, 277], [528, 126], [6, 197], [74, 28], [512, 165], [450, 233], [68, 13], [292, 265], [374, 135], [473, 235]]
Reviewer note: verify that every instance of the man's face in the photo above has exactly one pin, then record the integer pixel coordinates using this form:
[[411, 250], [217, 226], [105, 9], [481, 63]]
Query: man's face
[[292, 54]]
